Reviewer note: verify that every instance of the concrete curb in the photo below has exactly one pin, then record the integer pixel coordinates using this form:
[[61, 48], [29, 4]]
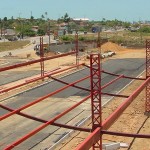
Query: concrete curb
[[69, 134]]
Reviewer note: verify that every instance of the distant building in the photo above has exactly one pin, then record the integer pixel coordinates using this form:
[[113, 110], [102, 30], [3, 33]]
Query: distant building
[[81, 19], [35, 28], [63, 26]]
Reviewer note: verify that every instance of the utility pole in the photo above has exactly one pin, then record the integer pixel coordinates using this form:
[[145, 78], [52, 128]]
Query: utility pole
[[1, 28], [20, 26], [4, 30], [31, 14], [77, 48]]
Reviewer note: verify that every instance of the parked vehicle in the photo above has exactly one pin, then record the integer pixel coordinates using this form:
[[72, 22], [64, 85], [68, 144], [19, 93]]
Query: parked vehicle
[[37, 48]]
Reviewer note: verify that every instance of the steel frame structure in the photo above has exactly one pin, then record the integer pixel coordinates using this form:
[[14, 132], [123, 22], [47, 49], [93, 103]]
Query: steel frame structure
[[42, 56], [34, 61], [98, 127], [147, 104], [77, 48], [96, 96], [99, 40], [51, 72]]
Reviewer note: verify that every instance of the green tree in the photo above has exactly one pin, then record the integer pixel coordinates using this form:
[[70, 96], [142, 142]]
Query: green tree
[[29, 32], [40, 32], [126, 24], [32, 18], [67, 19], [5, 19], [42, 16], [145, 29]]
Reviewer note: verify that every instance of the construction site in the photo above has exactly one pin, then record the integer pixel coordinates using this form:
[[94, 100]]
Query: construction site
[[87, 96]]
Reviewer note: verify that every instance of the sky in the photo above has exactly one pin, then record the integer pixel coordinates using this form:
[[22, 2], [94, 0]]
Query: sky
[[125, 10]]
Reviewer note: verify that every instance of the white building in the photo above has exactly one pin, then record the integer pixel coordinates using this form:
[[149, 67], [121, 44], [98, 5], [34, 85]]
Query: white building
[[81, 19]]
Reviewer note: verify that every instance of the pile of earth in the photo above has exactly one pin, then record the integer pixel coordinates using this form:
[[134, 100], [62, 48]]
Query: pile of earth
[[112, 47]]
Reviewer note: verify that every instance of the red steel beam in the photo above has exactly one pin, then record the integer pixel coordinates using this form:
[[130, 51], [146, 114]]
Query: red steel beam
[[126, 134], [116, 95], [37, 78], [86, 88], [103, 93], [44, 125], [45, 121], [103, 71], [90, 140], [34, 61], [123, 76], [28, 81], [82, 88], [112, 81], [41, 99], [115, 115]]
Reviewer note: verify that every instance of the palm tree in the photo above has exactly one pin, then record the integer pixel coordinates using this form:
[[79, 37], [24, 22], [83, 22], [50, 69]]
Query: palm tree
[[46, 15], [67, 19]]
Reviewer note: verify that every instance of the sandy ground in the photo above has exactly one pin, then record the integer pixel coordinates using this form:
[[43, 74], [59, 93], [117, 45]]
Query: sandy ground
[[131, 120]]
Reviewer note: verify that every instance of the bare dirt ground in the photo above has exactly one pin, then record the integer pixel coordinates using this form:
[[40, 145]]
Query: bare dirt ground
[[132, 119]]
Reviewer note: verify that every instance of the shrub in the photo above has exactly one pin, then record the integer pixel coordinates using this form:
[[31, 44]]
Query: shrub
[[67, 38]]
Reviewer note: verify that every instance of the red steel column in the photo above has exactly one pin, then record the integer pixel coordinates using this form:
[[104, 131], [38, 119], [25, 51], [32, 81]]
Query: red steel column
[[77, 48], [41, 56], [99, 40], [96, 96], [147, 105]]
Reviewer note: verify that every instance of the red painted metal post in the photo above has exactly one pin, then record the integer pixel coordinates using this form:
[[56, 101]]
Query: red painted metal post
[[147, 104], [41, 99], [96, 96], [147, 136], [41, 56], [120, 109], [94, 136], [99, 40], [77, 48], [35, 61], [17, 142], [37, 78], [90, 140], [44, 121]]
